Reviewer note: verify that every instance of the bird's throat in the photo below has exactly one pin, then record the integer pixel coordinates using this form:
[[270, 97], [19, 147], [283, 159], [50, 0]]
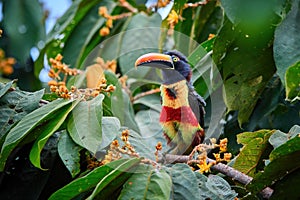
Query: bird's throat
[[175, 95]]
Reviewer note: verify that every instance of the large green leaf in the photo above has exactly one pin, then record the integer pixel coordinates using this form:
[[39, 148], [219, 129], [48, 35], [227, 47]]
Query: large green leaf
[[207, 20], [47, 130], [144, 143], [279, 138], [255, 143], [82, 35], [101, 175], [292, 82], [114, 179], [68, 151], [221, 188], [204, 191], [287, 41], [285, 188], [110, 128], [79, 23], [283, 160], [152, 101], [28, 127], [150, 184], [23, 21], [14, 105], [140, 37], [214, 187], [85, 124], [5, 87], [184, 181], [119, 104], [253, 14], [246, 63], [150, 133]]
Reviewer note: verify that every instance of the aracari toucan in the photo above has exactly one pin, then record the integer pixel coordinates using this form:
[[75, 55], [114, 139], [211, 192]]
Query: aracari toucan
[[182, 114]]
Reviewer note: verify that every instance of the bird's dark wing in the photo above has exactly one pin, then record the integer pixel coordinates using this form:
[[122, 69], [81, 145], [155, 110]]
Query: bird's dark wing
[[197, 104]]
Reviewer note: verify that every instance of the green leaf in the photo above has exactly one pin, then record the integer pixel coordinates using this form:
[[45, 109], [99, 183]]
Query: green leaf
[[255, 143], [290, 147], [245, 60], [254, 13], [26, 127], [99, 175], [220, 187], [47, 130], [287, 41], [199, 53], [285, 188], [292, 82], [114, 179], [5, 87], [71, 27], [214, 187], [118, 104], [110, 128], [150, 133], [151, 184], [23, 21], [14, 105], [85, 124], [283, 160], [76, 44], [69, 153], [145, 142], [184, 181], [152, 101], [279, 138], [140, 37], [208, 21]]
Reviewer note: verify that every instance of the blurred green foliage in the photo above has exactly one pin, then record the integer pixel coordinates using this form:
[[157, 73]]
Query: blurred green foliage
[[247, 71]]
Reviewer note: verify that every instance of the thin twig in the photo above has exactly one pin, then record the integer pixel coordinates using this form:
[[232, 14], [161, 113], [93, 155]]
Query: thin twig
[[121, 16], [129, 7], [153, 91], [193, 5], [222, 168]]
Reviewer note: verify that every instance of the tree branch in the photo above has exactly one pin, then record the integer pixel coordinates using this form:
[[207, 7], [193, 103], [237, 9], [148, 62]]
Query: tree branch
[[153, 91], [222, 168]]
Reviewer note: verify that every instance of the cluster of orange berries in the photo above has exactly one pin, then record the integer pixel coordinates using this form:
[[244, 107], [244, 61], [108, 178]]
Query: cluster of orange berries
[[58, 67], [101, 87], [59, 87], [62, 91], [108, 65], [104, 31], [201, 161], [223, 148], [6, 64], [115, 151], [102, 11]]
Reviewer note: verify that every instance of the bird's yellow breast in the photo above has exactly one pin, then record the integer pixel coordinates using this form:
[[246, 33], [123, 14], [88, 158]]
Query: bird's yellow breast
[[175, 95]]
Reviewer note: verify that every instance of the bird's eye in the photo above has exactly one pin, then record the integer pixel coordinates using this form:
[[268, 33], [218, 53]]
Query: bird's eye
[[175, 59]]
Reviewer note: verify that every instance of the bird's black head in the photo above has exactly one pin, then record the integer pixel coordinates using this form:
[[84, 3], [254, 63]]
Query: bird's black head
[[181, 64], [174, 65]]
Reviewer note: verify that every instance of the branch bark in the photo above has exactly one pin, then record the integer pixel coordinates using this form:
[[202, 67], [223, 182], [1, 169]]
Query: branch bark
[[222, 168]]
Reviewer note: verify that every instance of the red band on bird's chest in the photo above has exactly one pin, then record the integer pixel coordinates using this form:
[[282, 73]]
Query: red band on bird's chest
[[183, 114]]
